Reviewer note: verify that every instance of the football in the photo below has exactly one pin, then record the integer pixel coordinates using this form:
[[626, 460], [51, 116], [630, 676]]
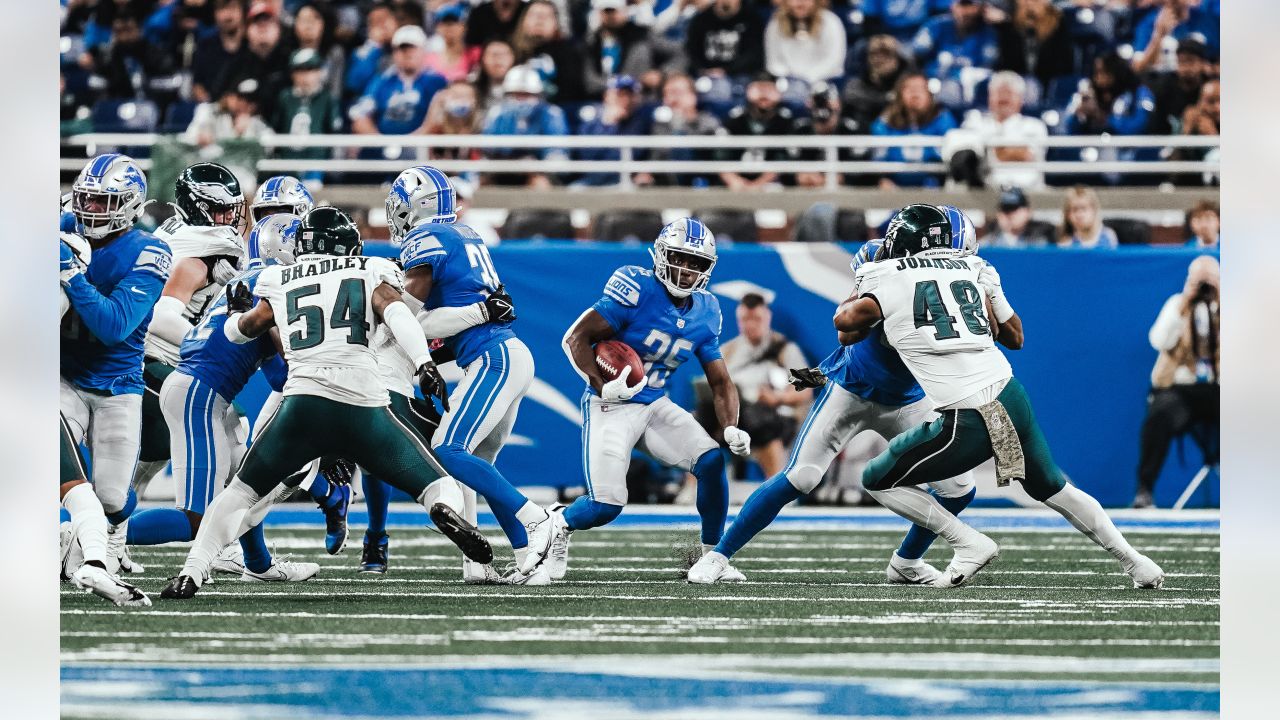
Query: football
[[612, 356]]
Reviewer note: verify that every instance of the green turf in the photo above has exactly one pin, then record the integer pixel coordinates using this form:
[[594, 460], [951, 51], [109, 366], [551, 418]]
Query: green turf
[[1053, 607]]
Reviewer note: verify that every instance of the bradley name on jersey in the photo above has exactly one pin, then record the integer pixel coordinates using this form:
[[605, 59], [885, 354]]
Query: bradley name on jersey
[[322, 266]]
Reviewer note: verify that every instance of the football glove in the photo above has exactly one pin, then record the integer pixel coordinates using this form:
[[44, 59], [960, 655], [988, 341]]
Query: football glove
[[68, 263], [239, 299], [739, 441], [989, 279], [617, 390], [337, 470], [805, 378], [432, 384], [223, 271], [498, 307]]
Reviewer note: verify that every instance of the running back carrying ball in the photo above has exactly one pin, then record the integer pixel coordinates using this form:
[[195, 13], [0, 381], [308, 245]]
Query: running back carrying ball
[[613, 355]]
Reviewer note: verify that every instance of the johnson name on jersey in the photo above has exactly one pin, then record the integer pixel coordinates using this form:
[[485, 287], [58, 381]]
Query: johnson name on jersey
[[935, 315], [323, 306], [664, 333], [210, 243]]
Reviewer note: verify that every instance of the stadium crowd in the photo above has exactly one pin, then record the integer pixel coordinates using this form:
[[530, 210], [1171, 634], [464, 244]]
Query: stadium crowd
[[970, 70]]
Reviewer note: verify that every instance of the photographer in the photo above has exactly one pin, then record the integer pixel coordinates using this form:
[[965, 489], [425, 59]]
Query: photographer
[[1184, 381]]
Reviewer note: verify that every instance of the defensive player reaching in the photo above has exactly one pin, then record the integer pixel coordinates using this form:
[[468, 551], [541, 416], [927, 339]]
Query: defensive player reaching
[[101, 384], [865, 386], [327, 306], [934, 308], [668, 317], [448, 269]]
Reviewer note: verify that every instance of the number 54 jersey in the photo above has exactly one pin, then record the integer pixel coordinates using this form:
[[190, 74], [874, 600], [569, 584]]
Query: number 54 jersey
[[323, 306], [935, 315], [664, 334]]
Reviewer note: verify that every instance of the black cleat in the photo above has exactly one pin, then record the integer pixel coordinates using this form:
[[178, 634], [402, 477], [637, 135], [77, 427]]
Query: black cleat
[[466, 536], [182, 587], [374, 557]]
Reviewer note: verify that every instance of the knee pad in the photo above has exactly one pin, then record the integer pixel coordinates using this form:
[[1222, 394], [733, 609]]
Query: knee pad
[[711, 463], [117, 504], [804, 477], [594, 514]]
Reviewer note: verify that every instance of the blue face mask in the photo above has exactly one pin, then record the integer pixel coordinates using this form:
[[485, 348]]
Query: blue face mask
[[459, 110], [523, 107]]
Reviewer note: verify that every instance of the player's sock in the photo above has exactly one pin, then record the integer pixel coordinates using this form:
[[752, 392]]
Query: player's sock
[[504, 500], [713, 495], [322, 492], [64, 516], [223, 522], [377, 498], [253, 545], [88, 524], [924, 510], [1084, 512], [760, 509], [158, 526], [918, 539], [119, 516], [585, 513], [528, 514]]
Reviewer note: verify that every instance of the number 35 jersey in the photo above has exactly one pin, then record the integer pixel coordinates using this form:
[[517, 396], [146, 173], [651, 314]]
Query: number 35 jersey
[[935, 316], [662, 333], [323, 306]]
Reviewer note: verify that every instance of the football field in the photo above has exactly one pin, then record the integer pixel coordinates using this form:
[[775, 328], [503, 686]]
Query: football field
[[1053, 628]]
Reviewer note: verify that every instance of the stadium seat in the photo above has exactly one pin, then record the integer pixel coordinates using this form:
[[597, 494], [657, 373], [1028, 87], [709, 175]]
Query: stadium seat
[[732, 224], [628, 225], [177, 117], [1130, 231], [537, 224], [125, 116]]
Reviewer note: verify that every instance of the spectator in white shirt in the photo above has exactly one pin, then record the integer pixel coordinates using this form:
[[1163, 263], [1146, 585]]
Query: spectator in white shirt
[[805, 40], [1004, 120]]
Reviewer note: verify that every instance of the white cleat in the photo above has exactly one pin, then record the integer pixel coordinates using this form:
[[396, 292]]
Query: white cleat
[[970, 556], [105, 585], [230, 561], [713, 568], [1146, 574], [129, 565], [283, 571], [540, 576], [540, 536], [910, 572], [473, 573], [69, 550], [558, 558], [116, 536], [731, 573]]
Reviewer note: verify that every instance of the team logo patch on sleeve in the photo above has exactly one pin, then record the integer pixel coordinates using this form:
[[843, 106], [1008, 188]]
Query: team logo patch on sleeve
[[154, 261], [623, 289]]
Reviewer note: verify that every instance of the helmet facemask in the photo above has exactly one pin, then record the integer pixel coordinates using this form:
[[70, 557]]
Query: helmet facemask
[[682, 272], [102, 213], [258, 212]]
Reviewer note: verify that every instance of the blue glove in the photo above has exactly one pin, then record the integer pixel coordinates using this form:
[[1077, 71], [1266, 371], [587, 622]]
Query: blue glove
[[68, 264]]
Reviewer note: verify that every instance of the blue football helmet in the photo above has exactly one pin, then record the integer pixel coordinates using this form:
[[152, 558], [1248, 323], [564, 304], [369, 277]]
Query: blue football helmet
[[683, 256], [272, 240], [964, 236], [108, 195], [421, 194], [867, 253], [281, 194]]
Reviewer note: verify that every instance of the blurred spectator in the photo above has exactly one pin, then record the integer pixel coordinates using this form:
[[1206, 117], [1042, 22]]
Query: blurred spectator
[[264, 56], [177, 27], [128, 67], [899, 18], [524, 111], [466, 190], [307, 107], [758, 360], [1048, 51], [496, 60], [725, 38], [396, 102], [866, 96], [967, 37], [234, 117], [1176, 91], [619, 114], [373, 57], [1082, 222], [1176, 20], [1004, 121], [616, 47], [826, 118], [493, 20], [1205, 225], [74, 116], [1013, 226], [313, 28], [912, 112], [805, 40], [454, 111], [761, 114], [214, 54], [1113, 101], [1205, 117], [539, 44], [449, 55], [678, 115], [1184, 382]]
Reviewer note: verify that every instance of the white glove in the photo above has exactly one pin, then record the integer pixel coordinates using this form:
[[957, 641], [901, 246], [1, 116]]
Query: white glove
[[79, 246], [223, 271], [989, 279], [617, 390], [738, 440]]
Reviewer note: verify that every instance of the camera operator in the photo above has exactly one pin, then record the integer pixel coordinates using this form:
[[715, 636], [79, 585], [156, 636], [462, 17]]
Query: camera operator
[[1184, 381]]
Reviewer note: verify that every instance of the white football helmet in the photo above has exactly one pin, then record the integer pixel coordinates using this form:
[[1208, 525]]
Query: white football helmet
[[964, 236], [683, 256], [108, 195], [271, 241], [281, 194], [421, 194]]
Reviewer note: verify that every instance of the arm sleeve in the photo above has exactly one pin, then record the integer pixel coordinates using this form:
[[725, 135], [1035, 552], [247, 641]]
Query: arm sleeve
[[111, 318], [445, 322], [276, 371], [1166, 331], [167, 322], [408, 334]]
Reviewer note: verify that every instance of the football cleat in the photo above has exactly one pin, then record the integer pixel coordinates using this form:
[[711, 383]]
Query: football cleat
[[910, 572], [105, 585], [116, 537], [540, 536], [230, 561], [68, 550], [182, 587], [975, 553], [731, 573], [283, 571], [710, 568], [335, 521], [466, 536], [128, 564], [558, 558], [1146, 574], [473, 573], [374, 557], [539, 576]]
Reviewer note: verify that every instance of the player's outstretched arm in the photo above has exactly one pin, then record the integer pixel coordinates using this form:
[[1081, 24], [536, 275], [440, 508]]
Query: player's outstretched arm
[[855, 318], [111, 318], [167, 323], [246, 321], [589, 329]]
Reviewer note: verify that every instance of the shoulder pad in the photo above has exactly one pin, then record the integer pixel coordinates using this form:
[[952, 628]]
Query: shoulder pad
[[624, 286], [154, 257], [422, 242], [201, 241]]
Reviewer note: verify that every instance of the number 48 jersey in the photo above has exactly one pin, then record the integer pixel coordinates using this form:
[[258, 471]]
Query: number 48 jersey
[[323, 306], [935, 315]]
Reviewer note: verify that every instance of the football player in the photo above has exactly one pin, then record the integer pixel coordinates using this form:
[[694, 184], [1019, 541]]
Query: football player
[[944, 313], [448, 269], [327, 307], [667, 315], [282, 194], [864, 386], [101, 353]]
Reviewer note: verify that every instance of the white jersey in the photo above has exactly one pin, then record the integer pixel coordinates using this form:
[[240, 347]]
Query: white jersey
[[323, 306], [935, 316], [210, 242], [394, 364]]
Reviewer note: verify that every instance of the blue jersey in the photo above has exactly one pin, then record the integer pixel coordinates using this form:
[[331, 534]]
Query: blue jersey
[[944, 53], [211, 358], [462, 273], [111, 306], [395, 106], [661, 332], [873, 371]]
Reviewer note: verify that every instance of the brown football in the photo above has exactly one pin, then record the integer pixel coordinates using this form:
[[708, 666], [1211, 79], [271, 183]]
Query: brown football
[[612, 356]]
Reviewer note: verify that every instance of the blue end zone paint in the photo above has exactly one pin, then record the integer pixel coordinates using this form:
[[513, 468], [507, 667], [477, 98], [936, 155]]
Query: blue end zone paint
[[252, 693]]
